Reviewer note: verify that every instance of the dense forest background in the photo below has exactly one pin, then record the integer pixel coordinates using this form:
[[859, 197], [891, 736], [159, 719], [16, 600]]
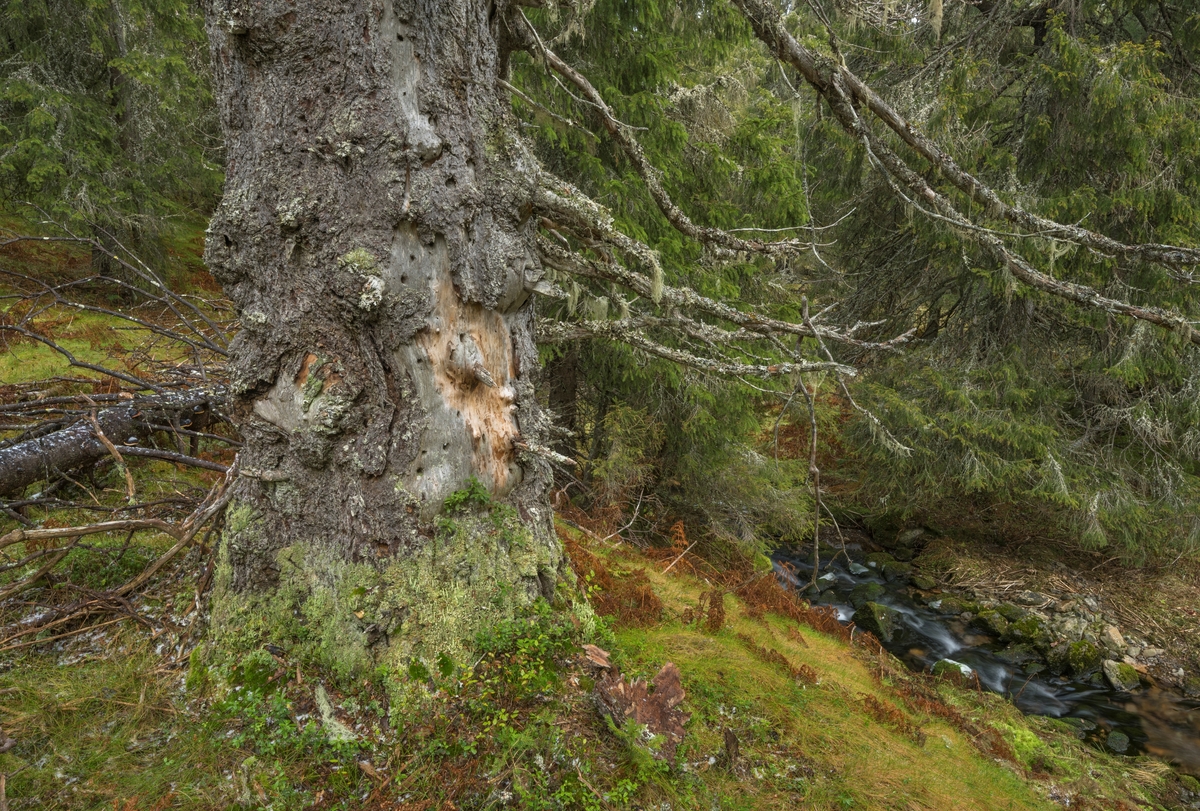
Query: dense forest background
[[1076, 425]]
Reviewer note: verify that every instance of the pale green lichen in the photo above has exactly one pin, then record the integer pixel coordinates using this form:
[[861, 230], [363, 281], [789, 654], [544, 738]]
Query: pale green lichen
[[361, 261]]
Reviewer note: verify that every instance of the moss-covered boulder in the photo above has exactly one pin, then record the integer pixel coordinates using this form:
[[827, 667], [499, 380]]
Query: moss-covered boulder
[[992, 622], [958, 605], [949, 667], [895, 571], [865, 593], [1029, 630], [1120, 675], [923, 581], [876, 560], [1058, 659], [878, 619], [1012, 613], [1083, 657]]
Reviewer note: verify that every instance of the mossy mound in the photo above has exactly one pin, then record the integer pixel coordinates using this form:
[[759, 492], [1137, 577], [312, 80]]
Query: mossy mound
[[481, 567]]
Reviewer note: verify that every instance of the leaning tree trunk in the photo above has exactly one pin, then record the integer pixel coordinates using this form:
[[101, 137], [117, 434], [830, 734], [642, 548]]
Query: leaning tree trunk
[[375, 237]]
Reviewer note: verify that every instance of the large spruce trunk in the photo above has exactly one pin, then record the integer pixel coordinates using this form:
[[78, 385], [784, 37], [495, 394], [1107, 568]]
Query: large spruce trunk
[[374, 235]]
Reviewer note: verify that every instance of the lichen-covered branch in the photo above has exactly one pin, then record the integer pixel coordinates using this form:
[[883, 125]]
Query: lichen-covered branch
[[629, 332], [622, 135], [843, 91], [567, 261]]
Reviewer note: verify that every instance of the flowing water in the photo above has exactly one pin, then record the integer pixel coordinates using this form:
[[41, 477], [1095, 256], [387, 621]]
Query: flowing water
[[925, 636]]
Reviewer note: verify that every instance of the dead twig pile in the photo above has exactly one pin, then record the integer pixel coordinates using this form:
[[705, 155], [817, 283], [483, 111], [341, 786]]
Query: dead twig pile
[[114, 474]]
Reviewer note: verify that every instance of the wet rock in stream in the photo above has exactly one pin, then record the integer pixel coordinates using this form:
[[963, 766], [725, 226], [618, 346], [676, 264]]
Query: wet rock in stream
[[865, 593], [1121, 676], [949, 667], [1118, 742], [878, 619]]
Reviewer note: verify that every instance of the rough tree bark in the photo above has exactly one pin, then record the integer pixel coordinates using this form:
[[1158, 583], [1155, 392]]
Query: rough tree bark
[[375, 235]]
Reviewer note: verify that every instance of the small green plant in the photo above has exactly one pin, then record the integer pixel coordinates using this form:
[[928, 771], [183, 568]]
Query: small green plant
[[264, 723], [473, 495], [526, 648]]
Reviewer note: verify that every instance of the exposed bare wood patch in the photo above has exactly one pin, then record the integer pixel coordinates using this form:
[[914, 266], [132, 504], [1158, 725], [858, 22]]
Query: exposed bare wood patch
[[470, 353]]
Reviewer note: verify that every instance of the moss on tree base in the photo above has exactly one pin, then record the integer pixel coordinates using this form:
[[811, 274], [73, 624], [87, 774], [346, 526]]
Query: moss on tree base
[[482, 566]]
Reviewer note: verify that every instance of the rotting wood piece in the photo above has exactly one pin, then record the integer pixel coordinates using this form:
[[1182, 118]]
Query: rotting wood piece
[[76, 445], [654, 705]]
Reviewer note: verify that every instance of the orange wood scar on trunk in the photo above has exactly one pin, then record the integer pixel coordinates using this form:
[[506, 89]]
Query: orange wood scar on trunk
[[471, 353], [302, 375]]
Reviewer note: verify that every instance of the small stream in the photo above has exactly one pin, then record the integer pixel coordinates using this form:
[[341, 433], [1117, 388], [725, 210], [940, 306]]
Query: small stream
[[924, 636]]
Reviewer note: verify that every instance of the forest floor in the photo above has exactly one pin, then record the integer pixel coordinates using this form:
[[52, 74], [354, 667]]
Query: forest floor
[[785, 711]]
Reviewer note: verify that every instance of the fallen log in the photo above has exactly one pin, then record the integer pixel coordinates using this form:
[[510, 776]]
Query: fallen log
[[61, 451]]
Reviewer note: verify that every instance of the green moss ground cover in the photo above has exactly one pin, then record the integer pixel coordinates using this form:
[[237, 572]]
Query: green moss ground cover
[[107, 722]]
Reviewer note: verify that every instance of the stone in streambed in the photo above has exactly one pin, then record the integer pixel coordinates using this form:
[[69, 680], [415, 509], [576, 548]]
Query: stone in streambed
[[992, 622], [865, 593], [1017, 654], [950, 667], [1118, 742], [895, 570], [876, 560], [858, 570], [956, 605], [878, 619], [1120, 675]]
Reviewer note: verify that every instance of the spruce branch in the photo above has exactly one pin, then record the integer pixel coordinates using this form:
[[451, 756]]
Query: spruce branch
[[846, 93], [622, 134], [630, 332], [828, 77]]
